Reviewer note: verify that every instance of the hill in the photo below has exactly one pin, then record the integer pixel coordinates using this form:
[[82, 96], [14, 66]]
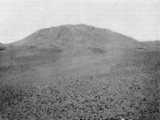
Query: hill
[[79, 72], [154, 44]]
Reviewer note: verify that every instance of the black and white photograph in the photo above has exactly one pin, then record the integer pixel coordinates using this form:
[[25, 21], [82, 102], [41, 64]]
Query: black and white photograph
[[79, 59]]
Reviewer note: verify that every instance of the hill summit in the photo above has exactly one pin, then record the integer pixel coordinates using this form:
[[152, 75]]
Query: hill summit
[[77, 35]]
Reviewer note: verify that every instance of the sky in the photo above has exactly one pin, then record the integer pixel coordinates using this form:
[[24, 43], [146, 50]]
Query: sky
[[139, 19]]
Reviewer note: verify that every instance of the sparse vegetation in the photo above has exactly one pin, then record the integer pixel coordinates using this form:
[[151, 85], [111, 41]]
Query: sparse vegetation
[[88, 97]]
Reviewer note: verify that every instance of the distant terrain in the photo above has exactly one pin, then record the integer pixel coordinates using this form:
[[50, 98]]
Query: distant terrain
[[79, 72], [155, 44]]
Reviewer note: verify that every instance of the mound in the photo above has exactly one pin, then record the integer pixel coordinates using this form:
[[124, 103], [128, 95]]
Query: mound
[[79, 72], [154, 44]]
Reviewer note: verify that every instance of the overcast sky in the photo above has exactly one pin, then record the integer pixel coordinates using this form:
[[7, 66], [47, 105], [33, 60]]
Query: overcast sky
[[139, 19]]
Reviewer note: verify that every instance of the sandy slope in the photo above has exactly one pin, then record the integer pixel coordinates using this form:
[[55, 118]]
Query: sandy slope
[[79, 72]]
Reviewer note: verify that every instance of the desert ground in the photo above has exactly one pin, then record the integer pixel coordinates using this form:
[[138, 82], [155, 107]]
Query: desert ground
[[79, 72]]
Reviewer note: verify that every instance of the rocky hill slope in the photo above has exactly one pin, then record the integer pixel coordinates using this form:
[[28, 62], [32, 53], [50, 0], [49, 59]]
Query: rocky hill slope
[[79, 72]]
